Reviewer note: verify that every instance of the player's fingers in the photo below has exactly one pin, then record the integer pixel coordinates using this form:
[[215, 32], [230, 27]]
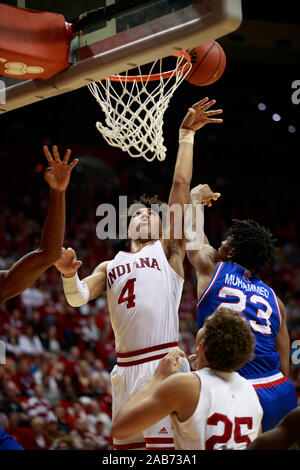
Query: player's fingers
[[178, 363], [201, 102], [177, 353], [192, 357], [73, 163], [47, 154], [55, 153], [208, 105], [214, 111], [77, 264], [67, 156], [174, 353], [171, 354], [47, 173], [215, 120], [71, 252], [216, 196]]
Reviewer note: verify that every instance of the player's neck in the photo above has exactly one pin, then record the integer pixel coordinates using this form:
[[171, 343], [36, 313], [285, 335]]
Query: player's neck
[[137, 245]]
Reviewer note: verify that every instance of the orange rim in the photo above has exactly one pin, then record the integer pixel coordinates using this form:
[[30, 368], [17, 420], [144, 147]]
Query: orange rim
[[154, 76]]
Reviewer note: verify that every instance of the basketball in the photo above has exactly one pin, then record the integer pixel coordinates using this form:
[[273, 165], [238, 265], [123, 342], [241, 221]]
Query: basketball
[[208, 64]]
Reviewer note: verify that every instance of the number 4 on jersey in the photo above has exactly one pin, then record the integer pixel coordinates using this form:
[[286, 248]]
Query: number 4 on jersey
[[129, 290]]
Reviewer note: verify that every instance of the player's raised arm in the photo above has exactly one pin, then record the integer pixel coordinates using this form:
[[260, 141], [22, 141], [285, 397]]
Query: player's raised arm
[[283, 342], [199, 252], [198, 116], [25, 271], [80, 292]]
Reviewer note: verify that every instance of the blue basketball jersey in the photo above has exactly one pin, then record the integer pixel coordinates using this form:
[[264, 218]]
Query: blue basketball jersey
[[232, 286], [8, 442]]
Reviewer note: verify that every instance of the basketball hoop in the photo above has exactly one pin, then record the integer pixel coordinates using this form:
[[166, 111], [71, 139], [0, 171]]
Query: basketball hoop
[[134, 108]]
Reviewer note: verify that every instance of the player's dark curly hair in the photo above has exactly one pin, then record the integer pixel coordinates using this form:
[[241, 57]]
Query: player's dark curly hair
[[144, 201], [148, 201], [228, 341], [254, 245]]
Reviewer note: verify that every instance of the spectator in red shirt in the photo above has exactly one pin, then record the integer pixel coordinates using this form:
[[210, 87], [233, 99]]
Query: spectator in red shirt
[[52, 431], [14, 428], [24, 379], [35, 437], [71, 364], [79, 434]]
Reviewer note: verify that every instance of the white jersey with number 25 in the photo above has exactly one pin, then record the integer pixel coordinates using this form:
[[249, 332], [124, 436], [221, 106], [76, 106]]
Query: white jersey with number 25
[[227, 416]]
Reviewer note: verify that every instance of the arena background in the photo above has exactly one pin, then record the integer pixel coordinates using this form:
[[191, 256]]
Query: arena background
[[251, 159]]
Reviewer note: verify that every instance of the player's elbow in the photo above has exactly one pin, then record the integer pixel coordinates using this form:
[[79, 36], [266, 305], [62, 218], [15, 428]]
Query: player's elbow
[[119, 432]]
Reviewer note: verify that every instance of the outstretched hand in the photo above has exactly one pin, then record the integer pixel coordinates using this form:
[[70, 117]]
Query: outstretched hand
[[68, 264], [58, 173], [200, 114], [203, 194]]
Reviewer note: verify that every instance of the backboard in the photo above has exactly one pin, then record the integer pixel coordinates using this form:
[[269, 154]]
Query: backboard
[[117, 35]]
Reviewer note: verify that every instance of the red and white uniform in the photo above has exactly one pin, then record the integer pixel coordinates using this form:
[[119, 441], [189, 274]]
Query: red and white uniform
[[227, 417], [143, 294]]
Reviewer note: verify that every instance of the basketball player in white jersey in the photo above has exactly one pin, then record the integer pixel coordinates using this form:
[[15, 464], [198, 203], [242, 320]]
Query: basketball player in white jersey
[[212, 408], [143, 287]]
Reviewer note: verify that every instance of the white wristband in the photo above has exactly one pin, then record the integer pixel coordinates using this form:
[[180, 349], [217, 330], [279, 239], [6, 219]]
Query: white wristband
[[186, 135], [76, 291]]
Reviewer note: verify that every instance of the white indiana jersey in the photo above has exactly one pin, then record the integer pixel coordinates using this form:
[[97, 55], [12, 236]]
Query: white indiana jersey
[[227, 416], [143, 294]]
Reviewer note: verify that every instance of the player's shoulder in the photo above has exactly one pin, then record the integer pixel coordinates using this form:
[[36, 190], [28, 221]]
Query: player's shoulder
[[101, 267], [242, 382], [183, 387], [204, 260], [181, 381]]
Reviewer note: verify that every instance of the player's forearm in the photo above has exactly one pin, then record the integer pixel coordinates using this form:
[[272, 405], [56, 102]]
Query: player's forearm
[[54, 227], [76, 291], [284, 366], [179, 194], [194, 228], [184, 164]]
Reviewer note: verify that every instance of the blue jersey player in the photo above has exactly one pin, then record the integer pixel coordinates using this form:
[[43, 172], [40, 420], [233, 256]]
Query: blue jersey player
[[227, 277], [25, 271]]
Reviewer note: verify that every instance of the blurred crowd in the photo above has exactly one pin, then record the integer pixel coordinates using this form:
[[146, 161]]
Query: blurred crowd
[[55, 388]]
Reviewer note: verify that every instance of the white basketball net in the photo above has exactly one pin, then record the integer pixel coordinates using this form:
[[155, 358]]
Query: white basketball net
[[134, 110]]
